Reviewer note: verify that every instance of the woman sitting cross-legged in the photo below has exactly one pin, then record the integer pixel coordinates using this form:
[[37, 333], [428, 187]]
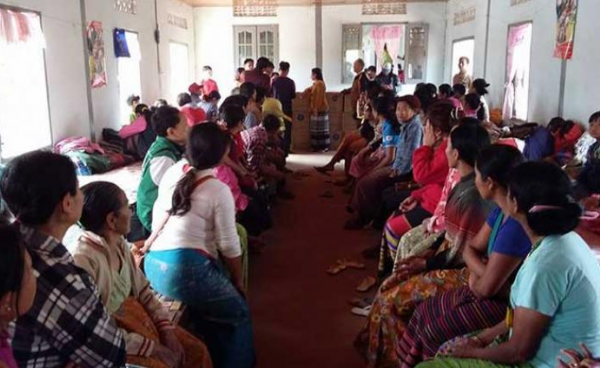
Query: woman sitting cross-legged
[[555, 298], [437, 270], [492, 257], [151, 339], [352, 143], [194, 235]]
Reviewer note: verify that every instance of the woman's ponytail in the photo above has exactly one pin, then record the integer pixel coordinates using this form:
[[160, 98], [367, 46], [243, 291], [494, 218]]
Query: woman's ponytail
[[182, 197]]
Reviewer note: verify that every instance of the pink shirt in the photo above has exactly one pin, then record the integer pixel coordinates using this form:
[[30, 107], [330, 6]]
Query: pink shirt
[[6, 354], [437, 222], [209, 86], [225, 174]]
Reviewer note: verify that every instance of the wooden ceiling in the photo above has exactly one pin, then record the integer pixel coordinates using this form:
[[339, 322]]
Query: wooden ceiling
[[198, 3]]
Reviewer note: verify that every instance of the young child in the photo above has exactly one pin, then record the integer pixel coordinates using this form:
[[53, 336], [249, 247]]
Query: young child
[[67, 324], [210, 104], [17, 287], [208, 84], [133, 101], [151, 338], [171, 128]]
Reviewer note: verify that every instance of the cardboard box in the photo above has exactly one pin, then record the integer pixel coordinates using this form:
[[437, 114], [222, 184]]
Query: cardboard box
[[300, 103], [336, 138], [335, 101], [335, 121], [349, 124], [348, 104], [301, 131]]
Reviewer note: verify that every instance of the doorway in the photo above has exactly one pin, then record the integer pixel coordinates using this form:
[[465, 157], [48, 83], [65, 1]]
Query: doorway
[[463, 48]]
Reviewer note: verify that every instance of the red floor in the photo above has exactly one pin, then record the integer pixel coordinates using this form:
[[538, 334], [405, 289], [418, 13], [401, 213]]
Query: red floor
[[301, 315]]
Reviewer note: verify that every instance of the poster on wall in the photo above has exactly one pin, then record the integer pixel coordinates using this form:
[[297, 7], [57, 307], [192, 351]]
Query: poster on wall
[[95, 43], [566, 11]]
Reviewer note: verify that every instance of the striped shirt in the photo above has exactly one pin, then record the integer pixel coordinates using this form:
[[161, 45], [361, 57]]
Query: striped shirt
[[67, 322]]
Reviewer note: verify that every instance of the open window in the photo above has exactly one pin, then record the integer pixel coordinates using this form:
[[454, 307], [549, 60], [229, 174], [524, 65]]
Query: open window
[[180, 66], [518, 63], [461, 49], [129, 74], [406, 46], [24, 107]]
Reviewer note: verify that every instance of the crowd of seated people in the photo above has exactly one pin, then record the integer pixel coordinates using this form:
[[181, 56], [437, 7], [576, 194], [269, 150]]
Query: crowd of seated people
[[208, 181], [479, 261]]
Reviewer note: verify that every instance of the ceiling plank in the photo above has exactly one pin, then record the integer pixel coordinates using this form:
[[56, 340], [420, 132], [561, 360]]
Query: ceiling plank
[[220, 3]]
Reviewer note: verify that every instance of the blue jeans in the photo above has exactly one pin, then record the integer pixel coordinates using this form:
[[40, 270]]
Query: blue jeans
[[219, 311]]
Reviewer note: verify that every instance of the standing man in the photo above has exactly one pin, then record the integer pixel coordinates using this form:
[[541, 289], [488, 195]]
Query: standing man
[[388, 79], [359, 84], [208, 84], [257, 76], [284, 89], [463, 77]]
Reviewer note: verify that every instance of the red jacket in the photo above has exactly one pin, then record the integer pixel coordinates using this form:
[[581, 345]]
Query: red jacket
[[430, 169]]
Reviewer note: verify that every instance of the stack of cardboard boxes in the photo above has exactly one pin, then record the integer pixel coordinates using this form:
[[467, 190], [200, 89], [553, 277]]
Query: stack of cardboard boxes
[[341, 120]]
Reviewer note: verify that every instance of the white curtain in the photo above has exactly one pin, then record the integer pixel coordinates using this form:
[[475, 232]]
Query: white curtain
[[517, 72], [19, 27], [390, 35]]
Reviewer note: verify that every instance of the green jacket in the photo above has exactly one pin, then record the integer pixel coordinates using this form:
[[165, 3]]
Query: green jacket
[[148, 190]]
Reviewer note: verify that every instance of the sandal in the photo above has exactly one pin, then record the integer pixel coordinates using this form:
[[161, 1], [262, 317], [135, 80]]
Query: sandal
[[366, 284], [360, 302], [363, 312], [354, 264], [337, 267]]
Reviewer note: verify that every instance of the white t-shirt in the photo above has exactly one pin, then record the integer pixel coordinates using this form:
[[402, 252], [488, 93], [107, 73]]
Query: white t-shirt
[[209, 225]]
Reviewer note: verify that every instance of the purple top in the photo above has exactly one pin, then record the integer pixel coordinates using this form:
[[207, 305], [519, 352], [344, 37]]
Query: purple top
[[6, 354]]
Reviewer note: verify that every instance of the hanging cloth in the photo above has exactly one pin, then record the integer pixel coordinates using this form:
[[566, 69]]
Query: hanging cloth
[[120, 42]]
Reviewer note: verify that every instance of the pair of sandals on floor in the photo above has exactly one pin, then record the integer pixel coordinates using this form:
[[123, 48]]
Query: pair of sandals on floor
[[343, 264]]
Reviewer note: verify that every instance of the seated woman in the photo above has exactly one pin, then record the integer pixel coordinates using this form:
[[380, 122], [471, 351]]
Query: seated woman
[[194, 233], [151, 339], [352, 143], [17, 287], [492, 257], [430, 169], [566, 133], [588, 180], [555, 298], [368, 169], [439, 270]]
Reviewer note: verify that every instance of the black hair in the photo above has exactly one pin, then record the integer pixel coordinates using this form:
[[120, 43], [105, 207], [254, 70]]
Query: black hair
[[480, 86], [35, 183], [360, 61], [12, 262], [469, 140], [271, 123], [261, 93], [425, 96], [212, 95], [460, 89], [432, 89], [206, 68], [233, 115], [473, 101], [100, 199], [165, 117], [540, 183], [247, 89], [271, 65], [131, 99], [446, 89], [440, 116], [595, 117], [240, 70], [237, 100], [318, 73], [249, 60], [496, 161], [560, 126], [284, 65], [183, 99], [372, 68], [373, 90], [386, 107], [206, 147], [262, 63]]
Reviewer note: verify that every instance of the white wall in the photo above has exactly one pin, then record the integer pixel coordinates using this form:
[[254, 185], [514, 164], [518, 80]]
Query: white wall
[[544, 89], [65, 63], [335, 16], [214, 41]]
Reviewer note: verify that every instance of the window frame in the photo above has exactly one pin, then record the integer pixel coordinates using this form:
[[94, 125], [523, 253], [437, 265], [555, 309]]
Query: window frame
[[189, 71], [3, 159], [255, 30], [122, 98]]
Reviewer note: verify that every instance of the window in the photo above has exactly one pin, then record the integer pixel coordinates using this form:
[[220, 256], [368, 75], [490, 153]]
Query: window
[[24, 110], [518, 57], [256, 41], [463, 48], [406, 45], [180, 67], [130, 80]]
